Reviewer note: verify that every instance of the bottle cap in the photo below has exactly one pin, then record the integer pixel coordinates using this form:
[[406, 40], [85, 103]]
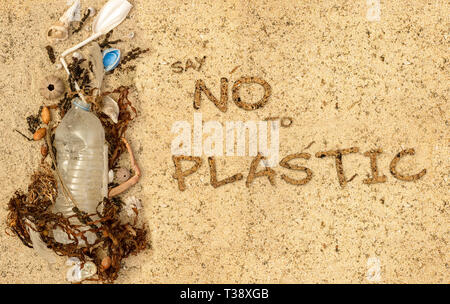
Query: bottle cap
[[81, 104]]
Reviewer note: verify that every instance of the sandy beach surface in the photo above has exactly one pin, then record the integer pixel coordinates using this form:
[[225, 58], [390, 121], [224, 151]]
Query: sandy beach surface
[[345, 82]]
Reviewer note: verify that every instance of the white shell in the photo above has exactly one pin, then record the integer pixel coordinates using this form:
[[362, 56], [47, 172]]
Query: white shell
[[132, 202], [77, 55], [72, 261], [73, 13], [57, 32], [77, 274], [73, 274], [92, 11], [111, 108], [131, 35], [110, 176], [58, 66], [89, 269]]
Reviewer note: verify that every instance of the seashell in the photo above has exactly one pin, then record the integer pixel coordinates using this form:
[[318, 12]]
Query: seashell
[[111, 108], [111, 59], [44, 150], [57, 32], [73, 274], [76, 273], [52, 87], [106, 262], [92, 11], [58, 66], [122, 175], [60, 30], [39, 134], [132, 203], [131, 35], [73, 261], [89, 269], [77, 55], [110, 176], [73, 13], [45, 115]]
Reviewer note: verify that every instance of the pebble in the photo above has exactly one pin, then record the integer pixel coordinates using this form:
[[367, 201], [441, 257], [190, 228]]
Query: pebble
[[106, 262]]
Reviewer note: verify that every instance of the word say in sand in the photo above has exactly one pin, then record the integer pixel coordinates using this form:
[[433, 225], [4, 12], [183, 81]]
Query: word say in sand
[[184, 66]]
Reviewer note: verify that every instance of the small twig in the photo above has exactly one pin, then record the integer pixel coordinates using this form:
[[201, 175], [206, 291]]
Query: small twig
[[309, 146], [351, 178], [234, 70], [29, 139]]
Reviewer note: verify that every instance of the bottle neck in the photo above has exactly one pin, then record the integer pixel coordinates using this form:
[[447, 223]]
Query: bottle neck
[[78, 103]]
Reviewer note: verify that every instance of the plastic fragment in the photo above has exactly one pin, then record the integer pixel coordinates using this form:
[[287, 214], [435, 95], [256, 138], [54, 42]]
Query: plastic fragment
[[111, 59]]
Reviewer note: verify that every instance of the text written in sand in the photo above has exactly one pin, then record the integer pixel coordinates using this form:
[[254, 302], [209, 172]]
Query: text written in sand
[[259, 168]]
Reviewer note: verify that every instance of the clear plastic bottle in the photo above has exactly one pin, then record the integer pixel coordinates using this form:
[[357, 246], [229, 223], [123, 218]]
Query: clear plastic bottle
[[82, 160]]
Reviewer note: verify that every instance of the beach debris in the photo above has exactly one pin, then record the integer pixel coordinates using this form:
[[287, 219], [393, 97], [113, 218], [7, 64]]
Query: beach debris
[[79, 80], [77, 55], [33, 122], [60, 30], [132, 206], [44, 150], [111, 59], [72, 261], [45, 115], [133, 180], [39, 134], [73, 274], [73, 13], [92, 11], [131, 35], [96, 62], [31, 215], [57, 32], [38, 244], [79, 272], [122, 175], [64, 104], [110, 16], [106, 262], [110, 176], [51, 53], [52, 87], [106, 43], [110, 108], [81, 23], [133, 54]]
